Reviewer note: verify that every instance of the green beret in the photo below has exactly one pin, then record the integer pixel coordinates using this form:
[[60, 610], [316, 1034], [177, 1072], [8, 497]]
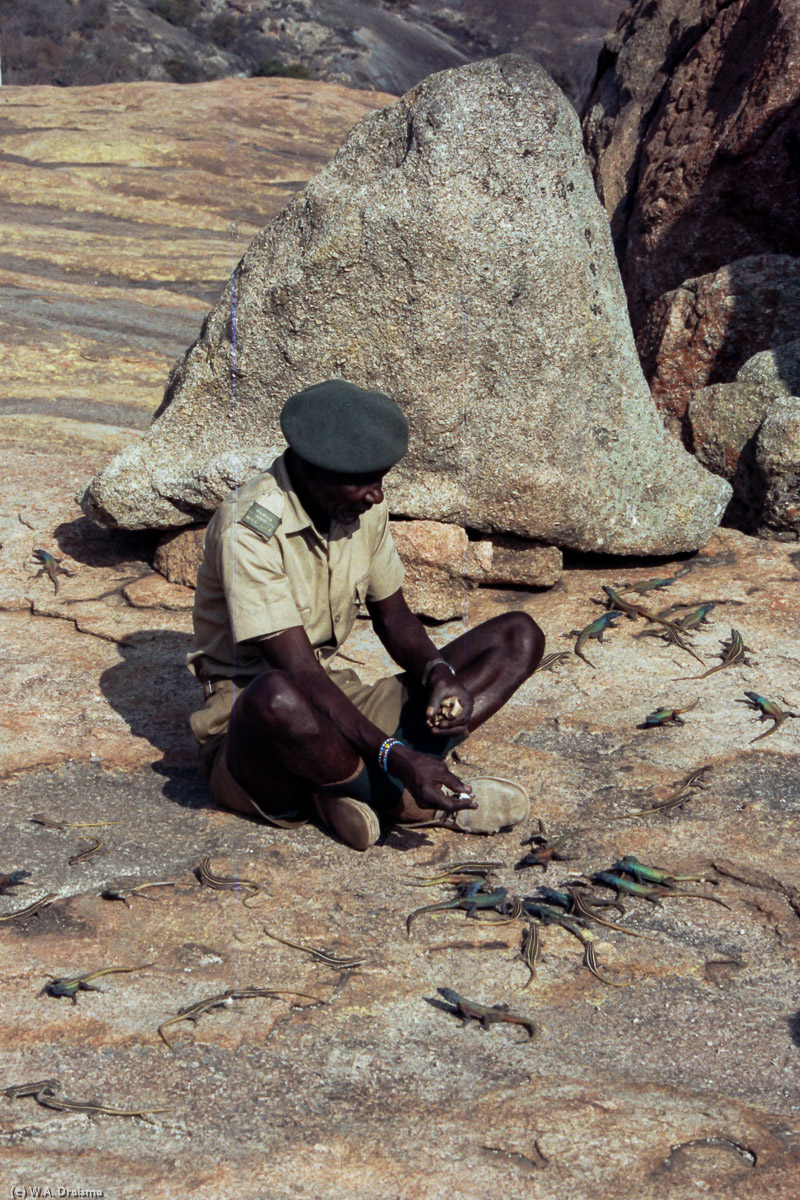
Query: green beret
[[344, 428]]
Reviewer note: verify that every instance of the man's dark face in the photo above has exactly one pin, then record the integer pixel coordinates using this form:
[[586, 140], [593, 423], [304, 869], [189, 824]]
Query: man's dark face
[[341, 498], [345, 498]]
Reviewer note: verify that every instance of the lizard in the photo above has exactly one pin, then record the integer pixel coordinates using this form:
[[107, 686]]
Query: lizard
[[12, 880], [551, 916], [543, 851], [551, 661], [32, 908], [529, 951], [650, 891], [671, 628], [226, 882], [733, 653], [649, 585], [769, 710], [470, 866], [51, 566], [226, 999], [71, 986], [460, 873], [670, 634], [31, 1089], [616, 602], [471, 901], [335, 962], [629, 864], [582, 906], [595, 630], [667, 716], [44, 1093], [680, 794], [42, 819], [87, 852], [695, 619], [126, 894], [488, 1016]]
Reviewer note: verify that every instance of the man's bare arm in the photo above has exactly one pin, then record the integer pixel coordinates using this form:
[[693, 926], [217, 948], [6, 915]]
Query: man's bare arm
[[406, 640], [424, 776]]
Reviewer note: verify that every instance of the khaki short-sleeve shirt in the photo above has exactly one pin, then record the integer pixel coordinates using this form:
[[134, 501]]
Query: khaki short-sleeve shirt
[[253, 584]]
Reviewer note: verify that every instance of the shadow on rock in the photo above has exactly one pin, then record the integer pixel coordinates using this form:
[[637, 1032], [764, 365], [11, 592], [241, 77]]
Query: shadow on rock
[[155, 694], [794, 1028], [95, 546]]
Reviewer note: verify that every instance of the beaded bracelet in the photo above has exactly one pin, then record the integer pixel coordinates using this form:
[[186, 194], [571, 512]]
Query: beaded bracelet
[[383, 753], [435, 662]]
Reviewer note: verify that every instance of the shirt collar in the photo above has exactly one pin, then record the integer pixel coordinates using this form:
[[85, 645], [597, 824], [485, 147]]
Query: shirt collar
[[295, 518]]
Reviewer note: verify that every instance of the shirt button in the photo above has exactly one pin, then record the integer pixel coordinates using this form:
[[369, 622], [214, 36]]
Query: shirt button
[[337, 620]]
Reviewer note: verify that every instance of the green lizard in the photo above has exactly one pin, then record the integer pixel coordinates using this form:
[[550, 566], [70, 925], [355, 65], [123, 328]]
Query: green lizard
[[667, 716], [769, 710], [594, 630], [630, 865], [694, 620], [650, 891], [51, 567], [471, 901]]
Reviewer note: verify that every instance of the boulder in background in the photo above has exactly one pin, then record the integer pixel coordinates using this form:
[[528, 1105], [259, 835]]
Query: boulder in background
[[453, 254], [703, 332], [735, 429], [778, 462]]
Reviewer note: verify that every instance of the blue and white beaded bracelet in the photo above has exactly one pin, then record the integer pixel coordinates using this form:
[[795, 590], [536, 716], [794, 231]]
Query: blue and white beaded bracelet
[[383, 753]]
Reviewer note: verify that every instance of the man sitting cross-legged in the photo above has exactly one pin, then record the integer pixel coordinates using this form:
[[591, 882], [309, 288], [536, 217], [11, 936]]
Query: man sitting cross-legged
[[288, 560]]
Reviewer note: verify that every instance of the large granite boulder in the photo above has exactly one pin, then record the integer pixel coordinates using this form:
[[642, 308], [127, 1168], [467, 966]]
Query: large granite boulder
[[455, 255], [694, 134], [704, 331]]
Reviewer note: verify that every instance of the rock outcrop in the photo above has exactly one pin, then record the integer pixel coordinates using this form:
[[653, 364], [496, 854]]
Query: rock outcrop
[[702, 332], [455, 255], [694, 132], [694, 136], [747, 432], [362, 44]]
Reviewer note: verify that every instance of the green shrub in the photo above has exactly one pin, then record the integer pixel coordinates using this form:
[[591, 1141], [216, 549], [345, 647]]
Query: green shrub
[[275, 66], [183, 70]]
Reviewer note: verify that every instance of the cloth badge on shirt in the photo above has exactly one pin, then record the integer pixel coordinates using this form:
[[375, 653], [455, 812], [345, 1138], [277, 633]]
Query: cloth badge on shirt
[[264, 516]]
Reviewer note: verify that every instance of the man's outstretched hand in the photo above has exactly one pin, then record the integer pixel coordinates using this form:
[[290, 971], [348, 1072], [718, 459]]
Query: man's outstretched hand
[[429, 781]]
